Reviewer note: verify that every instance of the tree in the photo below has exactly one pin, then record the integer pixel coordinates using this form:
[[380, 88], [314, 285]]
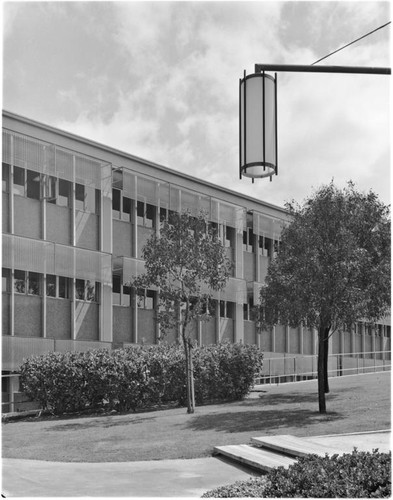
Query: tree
[[186, 262], [332, 269]]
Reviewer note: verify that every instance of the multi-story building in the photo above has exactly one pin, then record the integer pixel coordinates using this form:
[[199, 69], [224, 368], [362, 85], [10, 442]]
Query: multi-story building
[[76, 215]]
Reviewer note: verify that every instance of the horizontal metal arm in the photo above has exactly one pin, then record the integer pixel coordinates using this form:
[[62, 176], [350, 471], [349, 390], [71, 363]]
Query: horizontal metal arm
[[322, 69]]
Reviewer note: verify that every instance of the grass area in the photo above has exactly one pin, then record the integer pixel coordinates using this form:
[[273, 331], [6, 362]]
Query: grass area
[[354, 404]]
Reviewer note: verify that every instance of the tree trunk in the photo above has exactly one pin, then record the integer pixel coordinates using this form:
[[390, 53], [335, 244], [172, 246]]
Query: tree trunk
[[321, 370], [326, 360], [189, 376]]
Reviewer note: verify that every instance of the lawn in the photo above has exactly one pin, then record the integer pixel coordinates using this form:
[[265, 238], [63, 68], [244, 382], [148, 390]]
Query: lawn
[[354, 404]]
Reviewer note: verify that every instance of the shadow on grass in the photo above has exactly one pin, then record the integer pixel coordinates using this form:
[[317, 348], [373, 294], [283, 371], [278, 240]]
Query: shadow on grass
[[252, 421], [101, 423]]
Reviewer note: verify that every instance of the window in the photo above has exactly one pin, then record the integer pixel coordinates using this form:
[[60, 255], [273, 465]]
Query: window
[[116, 287], [86, 290], [227, 309], [19, 181], [87, 199], [64, 196], [6, 178], [248, 240], [6, 279], [50, 285], [121, 206], [264, 246], [116, 200], [34, 281], [145, 299], [79, 197], [230, 235], [145, 214], [33, 185], [27, 282], [126, 212], [248, 310], [19, 281], [64, 288]]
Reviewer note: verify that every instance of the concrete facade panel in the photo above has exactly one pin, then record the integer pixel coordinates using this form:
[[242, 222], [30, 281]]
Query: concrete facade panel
[[294, 343], [86, 321], [226, 329], [5, 212], [27, 217], [249, 266], [122, 238], [58, 318], [250, 335], [58, 224], [144, 234], [307, 341], [280, 339], [146, 326], [122, 324], [28, 314], [87, 230], [266, 341], [208, 332], [5, 313]]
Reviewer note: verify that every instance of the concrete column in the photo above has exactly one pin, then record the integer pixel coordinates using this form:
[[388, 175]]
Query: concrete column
[[239, 323], [134, 316], [287, 339], [273, 338], [314, 340], [301, 339], [217, 320], [363, 343], [373, 342], [353, 341]]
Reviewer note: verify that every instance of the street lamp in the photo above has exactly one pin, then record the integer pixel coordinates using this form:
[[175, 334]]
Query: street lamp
[[258, 114]]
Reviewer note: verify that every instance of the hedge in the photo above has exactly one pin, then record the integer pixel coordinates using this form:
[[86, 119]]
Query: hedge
[[352, 475], [138, 376]]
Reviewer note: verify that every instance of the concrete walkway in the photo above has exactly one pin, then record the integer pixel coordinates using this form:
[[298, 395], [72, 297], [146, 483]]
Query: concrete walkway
[[160, 478]]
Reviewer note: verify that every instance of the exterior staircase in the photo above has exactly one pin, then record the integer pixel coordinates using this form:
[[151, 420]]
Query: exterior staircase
[[269, 452]]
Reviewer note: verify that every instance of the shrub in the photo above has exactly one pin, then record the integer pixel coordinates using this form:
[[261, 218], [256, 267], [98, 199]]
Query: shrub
[[355, 475], [138, 376]]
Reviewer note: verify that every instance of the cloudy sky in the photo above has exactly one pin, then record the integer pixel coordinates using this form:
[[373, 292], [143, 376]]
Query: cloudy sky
[[160, 80]]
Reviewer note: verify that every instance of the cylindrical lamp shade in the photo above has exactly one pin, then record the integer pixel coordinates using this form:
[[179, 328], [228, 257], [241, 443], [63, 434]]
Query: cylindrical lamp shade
[[258, 125]]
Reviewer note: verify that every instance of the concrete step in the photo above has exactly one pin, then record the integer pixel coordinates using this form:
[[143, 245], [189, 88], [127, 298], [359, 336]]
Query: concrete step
[[258, 458], [292, 445]]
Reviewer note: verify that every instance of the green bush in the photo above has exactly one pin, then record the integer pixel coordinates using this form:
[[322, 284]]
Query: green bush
[[352, 475], [138, 376]]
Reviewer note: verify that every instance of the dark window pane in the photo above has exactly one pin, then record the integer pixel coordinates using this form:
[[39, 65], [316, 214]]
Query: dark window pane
[[50, 285], [230, 310], [116, 196], [64, 287], [150, 211], [19, 181], [50, 189], [79, 197], [91, 291], [34, 283], [126, 215], [20, 281], [64, 193], [33, 185], [6, 178], [140, 212], [149, 302], [6, 279], [80, 289]]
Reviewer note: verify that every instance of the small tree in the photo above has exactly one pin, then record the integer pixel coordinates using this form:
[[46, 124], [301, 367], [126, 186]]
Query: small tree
[[186, 262], [333, 267]]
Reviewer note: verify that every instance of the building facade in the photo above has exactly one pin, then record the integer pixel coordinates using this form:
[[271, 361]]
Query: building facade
[[76, 215]]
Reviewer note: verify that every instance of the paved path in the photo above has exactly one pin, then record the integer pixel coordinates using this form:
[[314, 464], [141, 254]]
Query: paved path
[[159, 478]]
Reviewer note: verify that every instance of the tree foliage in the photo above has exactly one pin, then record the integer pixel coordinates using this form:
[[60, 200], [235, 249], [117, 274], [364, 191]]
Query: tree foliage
[[333, 267], [186, 261]]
